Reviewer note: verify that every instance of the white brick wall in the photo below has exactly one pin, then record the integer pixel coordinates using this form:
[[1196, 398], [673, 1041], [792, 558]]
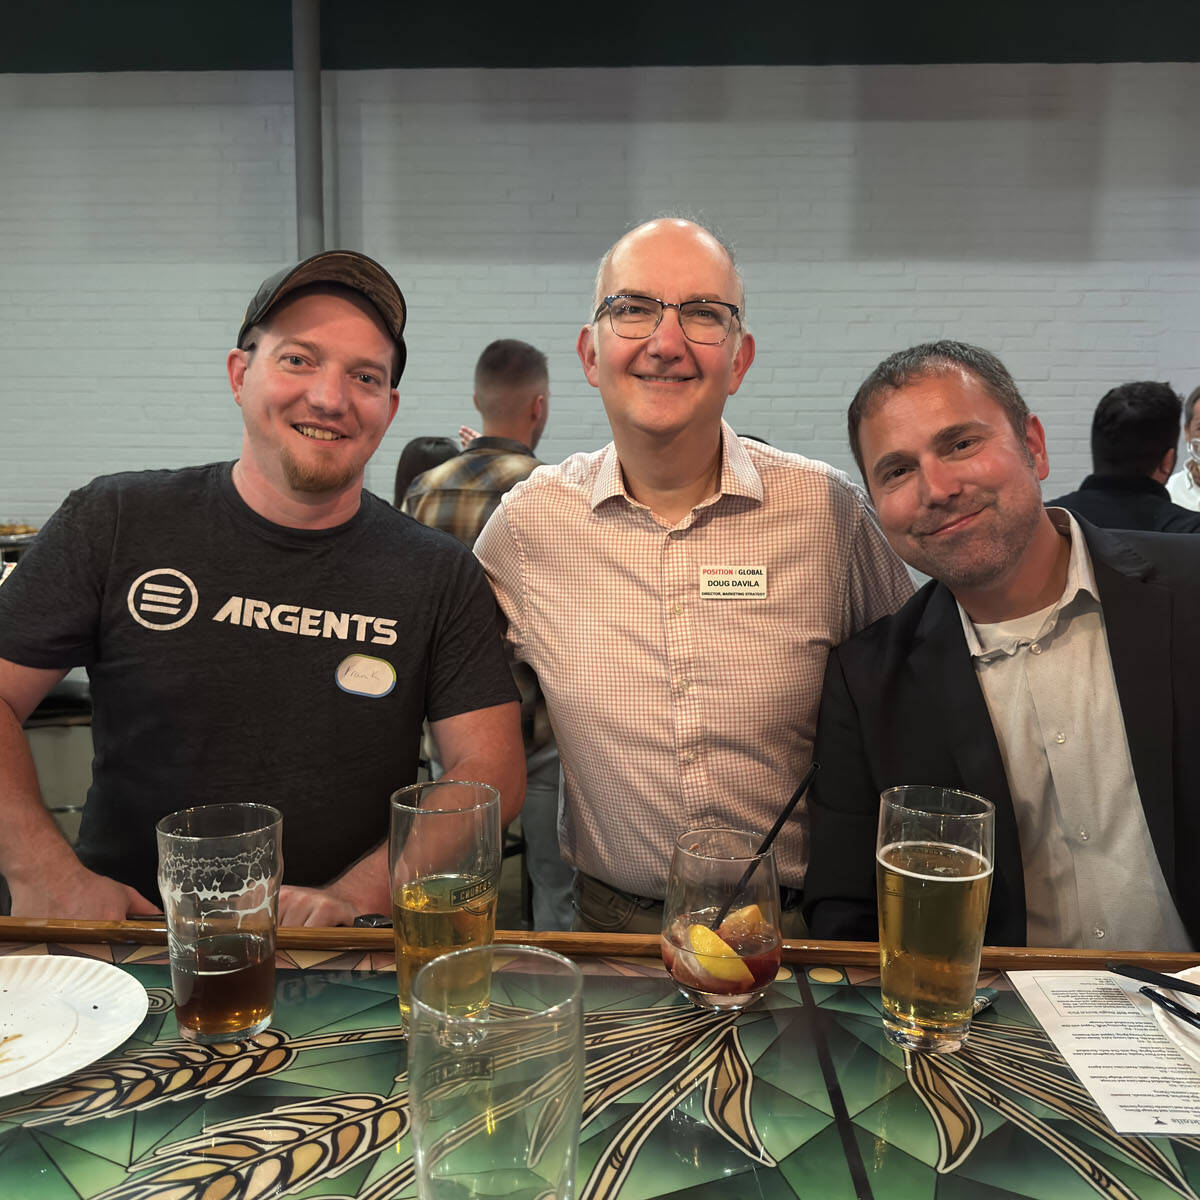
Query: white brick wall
[[1050, 213]]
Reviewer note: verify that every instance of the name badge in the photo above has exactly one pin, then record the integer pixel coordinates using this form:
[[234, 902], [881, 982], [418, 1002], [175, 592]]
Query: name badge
[[365, 675], [733, 583]]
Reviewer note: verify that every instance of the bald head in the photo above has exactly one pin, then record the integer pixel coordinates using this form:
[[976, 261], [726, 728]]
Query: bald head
[[691, 240]]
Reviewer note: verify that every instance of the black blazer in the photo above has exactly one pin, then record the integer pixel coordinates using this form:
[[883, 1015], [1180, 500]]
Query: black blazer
[[1128, 502], [902, 704]]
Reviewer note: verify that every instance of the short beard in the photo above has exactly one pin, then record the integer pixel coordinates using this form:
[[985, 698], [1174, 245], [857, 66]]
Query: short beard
[[304, 478], [986, 562]]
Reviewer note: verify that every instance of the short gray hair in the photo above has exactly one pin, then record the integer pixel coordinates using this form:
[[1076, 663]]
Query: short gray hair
[[935, 358]]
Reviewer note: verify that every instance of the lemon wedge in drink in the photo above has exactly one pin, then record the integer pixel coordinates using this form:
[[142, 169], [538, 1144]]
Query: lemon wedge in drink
[[742, 923], [716, 957]]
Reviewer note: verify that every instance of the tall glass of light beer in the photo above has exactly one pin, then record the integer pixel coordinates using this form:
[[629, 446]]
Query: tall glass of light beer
[[933, 868], [219, 867], [444, 858]]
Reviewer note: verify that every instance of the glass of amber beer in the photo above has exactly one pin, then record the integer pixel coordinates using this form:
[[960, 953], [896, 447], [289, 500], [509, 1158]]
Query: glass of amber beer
[[933, 867], [219, 868], [444, 858]]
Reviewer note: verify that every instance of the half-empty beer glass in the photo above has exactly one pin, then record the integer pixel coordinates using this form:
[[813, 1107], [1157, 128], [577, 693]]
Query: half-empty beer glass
[[219, 867], [933, 867], [444, 855]]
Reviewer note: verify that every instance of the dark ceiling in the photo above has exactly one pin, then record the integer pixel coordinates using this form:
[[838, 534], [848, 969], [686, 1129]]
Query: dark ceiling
[[228, 35]]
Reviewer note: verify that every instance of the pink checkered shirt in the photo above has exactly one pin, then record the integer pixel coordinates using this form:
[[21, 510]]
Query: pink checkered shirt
[[674, 709]]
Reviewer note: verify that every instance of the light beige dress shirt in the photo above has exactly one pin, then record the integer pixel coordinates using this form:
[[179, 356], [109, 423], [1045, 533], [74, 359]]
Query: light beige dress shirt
[[683, 665], [1091, 875]]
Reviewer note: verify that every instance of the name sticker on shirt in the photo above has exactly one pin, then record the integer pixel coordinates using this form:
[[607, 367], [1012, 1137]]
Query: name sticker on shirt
[[733, 583], [365, 675]]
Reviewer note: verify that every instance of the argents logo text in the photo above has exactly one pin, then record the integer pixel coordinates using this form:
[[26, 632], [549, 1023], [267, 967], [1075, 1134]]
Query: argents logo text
[[308, 622]]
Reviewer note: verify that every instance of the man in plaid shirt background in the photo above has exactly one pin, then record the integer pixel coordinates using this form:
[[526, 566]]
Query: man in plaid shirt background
[[512, 395]]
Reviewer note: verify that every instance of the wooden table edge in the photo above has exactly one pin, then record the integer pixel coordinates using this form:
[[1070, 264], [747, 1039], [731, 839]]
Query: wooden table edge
[[861, 954]]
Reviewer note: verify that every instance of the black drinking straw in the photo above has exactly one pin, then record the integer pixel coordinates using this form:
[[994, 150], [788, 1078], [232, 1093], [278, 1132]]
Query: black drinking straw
[[723, 912]]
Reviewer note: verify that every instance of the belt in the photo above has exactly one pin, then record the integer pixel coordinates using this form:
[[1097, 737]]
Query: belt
[[789, 897], [637, 901]]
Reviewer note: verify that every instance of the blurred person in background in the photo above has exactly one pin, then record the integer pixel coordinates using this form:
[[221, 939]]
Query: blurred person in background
[[512, 396], [1184, 485], [417, 457], [1135, 432]]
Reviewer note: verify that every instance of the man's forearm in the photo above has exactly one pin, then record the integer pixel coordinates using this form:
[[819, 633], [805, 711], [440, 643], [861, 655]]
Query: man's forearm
[[505, 773], [31, 849], [365, 885]]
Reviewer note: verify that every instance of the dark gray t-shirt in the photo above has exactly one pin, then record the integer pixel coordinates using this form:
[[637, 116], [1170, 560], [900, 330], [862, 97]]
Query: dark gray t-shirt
[[234, 659]]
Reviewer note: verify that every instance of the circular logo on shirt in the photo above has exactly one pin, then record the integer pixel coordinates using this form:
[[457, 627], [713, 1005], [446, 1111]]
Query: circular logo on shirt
[[163, 599]]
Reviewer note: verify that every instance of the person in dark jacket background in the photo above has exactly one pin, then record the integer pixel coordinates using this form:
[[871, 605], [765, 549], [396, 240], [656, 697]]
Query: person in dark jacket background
[[1135, 431]]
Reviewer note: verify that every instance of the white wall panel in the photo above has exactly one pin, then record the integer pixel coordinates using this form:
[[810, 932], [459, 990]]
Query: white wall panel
[[1050, 213]]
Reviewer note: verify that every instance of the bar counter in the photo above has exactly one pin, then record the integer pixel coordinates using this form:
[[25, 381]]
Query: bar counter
[[799, 1096]]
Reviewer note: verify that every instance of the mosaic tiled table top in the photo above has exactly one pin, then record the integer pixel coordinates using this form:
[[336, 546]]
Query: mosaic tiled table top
[[799, 1097]]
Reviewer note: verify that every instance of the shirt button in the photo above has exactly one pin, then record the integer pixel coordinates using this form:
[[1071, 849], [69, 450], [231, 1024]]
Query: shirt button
[[1098, 932], [1035, 648], [1060, 737], [681, 685], [688, 756], [677, 609], [1083, 835]]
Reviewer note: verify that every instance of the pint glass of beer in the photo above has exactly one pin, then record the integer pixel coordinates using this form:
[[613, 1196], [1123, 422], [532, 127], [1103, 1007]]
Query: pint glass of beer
[[444, 858], [933, 866], [219, 868]]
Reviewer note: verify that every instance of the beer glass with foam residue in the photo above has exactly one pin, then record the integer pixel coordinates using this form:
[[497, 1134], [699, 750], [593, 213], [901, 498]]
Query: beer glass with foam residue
[[219, 867]]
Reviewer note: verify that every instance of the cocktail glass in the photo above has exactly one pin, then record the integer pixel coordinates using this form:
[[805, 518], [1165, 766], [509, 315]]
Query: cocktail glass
[[730, 966]]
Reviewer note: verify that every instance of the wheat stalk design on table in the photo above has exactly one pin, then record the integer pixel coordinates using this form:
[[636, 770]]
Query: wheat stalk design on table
[[299, 1145], [1023, 1062]]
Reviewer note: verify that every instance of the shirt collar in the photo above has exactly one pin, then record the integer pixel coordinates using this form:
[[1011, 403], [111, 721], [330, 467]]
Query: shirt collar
[[739, 476], [509, 445], [1081, 582]]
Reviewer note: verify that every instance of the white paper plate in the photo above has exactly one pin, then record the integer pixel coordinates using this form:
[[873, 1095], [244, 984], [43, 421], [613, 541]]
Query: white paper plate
[[1185, 1036], [58, 1014]]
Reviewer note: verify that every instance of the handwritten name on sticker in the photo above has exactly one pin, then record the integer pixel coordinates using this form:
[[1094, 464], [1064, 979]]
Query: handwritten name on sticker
[[733, 583], [365, 675]]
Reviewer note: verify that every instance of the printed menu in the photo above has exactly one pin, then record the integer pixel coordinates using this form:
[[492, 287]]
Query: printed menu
[[1139, 1078]]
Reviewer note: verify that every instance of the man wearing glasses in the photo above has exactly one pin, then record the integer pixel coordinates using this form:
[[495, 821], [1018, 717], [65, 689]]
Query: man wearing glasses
[[677, 592]]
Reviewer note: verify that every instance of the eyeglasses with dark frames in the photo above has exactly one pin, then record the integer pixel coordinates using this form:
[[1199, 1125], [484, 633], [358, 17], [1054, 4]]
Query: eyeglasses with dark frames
[[706, 322]]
